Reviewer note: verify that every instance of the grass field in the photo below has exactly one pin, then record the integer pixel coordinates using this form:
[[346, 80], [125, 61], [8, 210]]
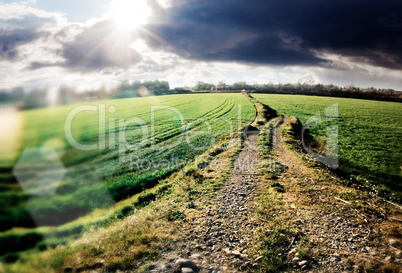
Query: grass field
[[370, 134], [134, 169], [127, 165]]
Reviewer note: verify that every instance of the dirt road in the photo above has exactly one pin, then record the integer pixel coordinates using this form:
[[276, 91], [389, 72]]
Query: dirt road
[[334, 235]]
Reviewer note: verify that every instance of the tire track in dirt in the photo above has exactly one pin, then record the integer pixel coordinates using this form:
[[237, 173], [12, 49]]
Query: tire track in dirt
[[217, 236]]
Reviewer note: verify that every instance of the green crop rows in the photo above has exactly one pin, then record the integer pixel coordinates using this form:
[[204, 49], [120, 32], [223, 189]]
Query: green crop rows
[[165, 133]]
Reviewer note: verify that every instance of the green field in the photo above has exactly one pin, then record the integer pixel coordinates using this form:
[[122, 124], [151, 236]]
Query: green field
[[154, 145], [370, 134], [143, 141]]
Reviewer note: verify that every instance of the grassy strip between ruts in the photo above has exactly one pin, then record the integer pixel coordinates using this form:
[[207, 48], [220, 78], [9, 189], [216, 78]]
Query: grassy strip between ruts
[[275, 233]]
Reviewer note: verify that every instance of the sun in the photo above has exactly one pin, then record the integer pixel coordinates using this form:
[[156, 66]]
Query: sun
[[130, 13]]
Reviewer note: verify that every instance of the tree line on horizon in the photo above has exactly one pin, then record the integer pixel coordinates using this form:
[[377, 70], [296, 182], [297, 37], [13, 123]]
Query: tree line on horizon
[[39, 97], [68, 94], [329, 90]]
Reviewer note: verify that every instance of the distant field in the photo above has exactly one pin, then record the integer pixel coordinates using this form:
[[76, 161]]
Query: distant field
[[98, 178], [370, 134]]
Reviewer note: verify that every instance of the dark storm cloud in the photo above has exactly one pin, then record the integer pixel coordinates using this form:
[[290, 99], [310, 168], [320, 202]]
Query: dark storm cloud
[[282, 32], [99, 46], [19, 31], [10, 40]]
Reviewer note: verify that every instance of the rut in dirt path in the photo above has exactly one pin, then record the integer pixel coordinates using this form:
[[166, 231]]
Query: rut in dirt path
[[283, 156], [216, 240]]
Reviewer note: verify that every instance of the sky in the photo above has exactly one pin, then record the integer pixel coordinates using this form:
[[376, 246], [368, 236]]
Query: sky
[[89, 43]]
